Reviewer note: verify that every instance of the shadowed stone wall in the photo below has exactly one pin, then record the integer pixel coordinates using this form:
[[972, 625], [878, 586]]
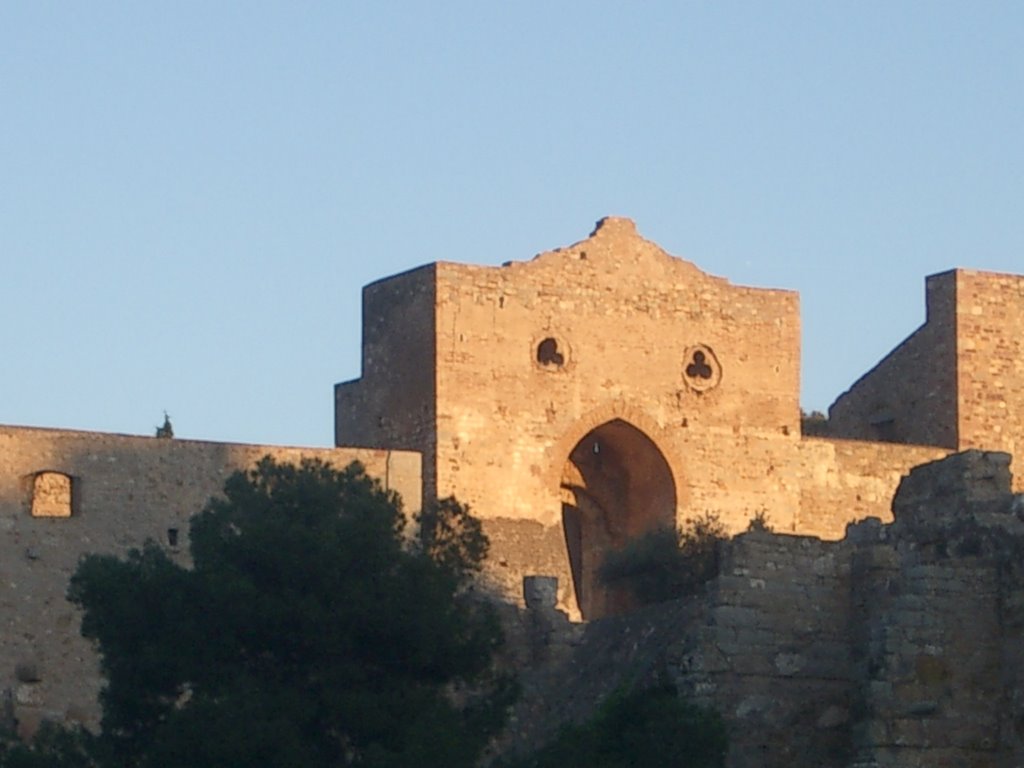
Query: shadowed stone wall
[[124, 490], [897, 647], [910, 396]]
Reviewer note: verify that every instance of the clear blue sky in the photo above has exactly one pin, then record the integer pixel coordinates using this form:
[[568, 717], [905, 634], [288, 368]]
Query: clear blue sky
[[193, 193]]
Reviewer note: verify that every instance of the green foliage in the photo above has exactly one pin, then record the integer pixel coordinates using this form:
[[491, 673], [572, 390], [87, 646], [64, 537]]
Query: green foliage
[[451, 536], [309, 631], [666, 563], [648, 727], [760, 522], [814, 423], [53, 747]]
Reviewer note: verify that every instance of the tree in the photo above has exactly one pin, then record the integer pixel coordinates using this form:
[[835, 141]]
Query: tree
[[52, 747], [309, 631], [666, 563], [640, 727]]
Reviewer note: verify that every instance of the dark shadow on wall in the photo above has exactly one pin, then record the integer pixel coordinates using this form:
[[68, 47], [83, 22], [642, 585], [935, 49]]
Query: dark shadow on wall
[[618, 485]]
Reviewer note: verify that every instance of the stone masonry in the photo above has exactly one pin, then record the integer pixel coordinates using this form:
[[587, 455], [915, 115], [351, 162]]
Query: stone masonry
[[957, 381], [123, 490], [579, 398], [574, 400], [899, 646]]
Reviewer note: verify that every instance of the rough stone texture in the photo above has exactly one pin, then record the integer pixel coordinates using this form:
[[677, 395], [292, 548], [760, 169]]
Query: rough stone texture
[[574, 401], [990, 362], [51, 495], [126, 490], [579, 398], [958, 381], [897, 647], [393, 404], [910, 396]]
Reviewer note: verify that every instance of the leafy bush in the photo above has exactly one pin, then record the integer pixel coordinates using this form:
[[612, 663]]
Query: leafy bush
[[52, 747], [814, 423], [645, 727], [666, 563]]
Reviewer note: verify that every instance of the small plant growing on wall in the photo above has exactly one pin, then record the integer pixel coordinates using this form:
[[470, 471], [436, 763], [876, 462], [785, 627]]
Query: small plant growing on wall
[[760, 522], [166, 431], [666, 563]]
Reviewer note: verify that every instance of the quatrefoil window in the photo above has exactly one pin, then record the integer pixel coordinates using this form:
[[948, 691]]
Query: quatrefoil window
[[701, 369]]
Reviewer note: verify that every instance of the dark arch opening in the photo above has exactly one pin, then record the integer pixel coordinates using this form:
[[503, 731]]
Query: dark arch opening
[[618, 486]]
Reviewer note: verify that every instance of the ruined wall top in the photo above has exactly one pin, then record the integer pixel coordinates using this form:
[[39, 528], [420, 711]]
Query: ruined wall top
[[972, 486], [614, 244]]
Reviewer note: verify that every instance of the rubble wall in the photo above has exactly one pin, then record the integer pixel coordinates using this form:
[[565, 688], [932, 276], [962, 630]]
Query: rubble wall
[[899, 646]]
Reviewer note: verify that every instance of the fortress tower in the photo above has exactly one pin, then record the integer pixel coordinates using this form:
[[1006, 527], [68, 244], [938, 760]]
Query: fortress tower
[[597, 391], [958, 380], [570, 399]]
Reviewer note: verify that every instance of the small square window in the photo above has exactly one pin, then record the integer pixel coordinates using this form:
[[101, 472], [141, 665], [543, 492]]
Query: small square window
[[51, 495]]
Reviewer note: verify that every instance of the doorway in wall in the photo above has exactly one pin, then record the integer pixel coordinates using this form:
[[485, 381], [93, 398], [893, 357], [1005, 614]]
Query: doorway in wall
[[616, 485]]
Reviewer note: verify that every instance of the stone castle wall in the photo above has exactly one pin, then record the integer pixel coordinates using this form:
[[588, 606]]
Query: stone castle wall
[[538, 364], [575, 401], [910, 396], [123, 490], [957, 381], [393, 404], [897, 647], [991, 362]]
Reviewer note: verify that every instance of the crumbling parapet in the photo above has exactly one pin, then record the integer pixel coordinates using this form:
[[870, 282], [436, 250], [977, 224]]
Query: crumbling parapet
[[936, 608], [901, 646], [954, 488]]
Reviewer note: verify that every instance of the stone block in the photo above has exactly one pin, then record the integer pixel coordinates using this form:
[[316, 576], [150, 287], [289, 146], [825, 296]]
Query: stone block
[[27, 672], [540, 592]]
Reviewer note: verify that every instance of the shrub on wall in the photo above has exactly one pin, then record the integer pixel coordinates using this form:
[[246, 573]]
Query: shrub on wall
[[647, 726], [666, 563]]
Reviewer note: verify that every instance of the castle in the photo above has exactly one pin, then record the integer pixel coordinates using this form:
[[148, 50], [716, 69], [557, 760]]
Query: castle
[[573, 401]]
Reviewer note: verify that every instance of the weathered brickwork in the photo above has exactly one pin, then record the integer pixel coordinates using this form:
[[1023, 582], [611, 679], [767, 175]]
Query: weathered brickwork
[[126, 490], [910, 396], [958, 381], [990, 364], [393, 404], [897, 647]]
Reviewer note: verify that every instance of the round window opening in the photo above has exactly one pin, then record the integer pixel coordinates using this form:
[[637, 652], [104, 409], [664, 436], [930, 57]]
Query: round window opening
[[701, 369]]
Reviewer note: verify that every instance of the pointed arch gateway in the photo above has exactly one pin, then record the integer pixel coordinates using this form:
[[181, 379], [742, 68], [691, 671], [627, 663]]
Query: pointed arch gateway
[[616, 484]]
